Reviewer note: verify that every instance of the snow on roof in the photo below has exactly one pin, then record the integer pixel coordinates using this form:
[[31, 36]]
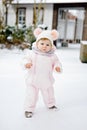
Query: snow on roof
[[50, 1]]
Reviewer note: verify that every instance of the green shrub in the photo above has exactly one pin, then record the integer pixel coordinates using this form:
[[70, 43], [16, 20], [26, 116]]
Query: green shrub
[[29, 36], [16, 36]]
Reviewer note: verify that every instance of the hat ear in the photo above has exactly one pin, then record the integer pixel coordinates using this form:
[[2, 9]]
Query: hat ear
[[54, 34], [37, 31]]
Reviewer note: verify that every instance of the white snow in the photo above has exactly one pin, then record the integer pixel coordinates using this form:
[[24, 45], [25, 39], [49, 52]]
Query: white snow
[[70, 92], [84, 42]]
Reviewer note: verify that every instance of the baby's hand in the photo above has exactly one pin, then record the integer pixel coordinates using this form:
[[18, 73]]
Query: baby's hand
[[28, 65], [58, 69]]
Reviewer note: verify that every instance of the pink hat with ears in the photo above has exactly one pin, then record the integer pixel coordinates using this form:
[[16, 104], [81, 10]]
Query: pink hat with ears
[[52, 35]]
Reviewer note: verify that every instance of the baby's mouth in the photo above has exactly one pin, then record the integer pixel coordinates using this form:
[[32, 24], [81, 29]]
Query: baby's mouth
[[44, 49]]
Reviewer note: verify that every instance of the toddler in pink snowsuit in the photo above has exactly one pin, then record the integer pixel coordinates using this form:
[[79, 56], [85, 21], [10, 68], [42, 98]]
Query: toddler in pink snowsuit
[[40, 65]]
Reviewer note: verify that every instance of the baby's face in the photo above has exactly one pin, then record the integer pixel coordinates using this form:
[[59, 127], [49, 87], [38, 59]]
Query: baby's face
[[44, 45]]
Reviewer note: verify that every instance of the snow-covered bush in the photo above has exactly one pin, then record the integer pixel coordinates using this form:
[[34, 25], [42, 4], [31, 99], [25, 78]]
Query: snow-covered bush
[[29, 36], [17, 36]]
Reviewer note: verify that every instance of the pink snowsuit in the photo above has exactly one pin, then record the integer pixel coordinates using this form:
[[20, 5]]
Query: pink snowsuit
[[40, 77]]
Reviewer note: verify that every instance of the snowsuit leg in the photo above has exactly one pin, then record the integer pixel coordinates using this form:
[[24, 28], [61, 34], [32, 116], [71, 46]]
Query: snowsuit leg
[[48, 96], [31, 98]]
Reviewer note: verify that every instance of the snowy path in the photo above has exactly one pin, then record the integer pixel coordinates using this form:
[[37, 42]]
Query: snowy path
[[70, 92]]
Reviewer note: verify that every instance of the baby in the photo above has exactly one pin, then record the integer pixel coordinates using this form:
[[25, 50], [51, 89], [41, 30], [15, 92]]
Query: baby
[[40, 65]]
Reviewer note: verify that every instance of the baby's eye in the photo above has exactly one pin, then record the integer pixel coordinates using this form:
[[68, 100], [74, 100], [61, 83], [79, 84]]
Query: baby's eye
[[47, 44], [42, 43]]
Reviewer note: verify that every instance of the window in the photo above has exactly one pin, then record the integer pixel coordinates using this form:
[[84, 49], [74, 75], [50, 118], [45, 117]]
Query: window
[[21, 15], [62, 14]]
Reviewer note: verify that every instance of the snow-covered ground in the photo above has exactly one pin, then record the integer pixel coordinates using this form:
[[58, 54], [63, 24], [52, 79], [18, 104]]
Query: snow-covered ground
[[70, 92]]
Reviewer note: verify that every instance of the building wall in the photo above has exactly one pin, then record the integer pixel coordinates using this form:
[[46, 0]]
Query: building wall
[[29, 15], [11, 16], [48, 15]]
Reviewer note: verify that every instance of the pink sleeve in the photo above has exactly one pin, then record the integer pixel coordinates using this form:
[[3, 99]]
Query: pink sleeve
[[56, 62]]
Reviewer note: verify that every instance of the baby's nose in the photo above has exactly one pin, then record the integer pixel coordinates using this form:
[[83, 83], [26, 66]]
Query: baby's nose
[[44, 46]]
